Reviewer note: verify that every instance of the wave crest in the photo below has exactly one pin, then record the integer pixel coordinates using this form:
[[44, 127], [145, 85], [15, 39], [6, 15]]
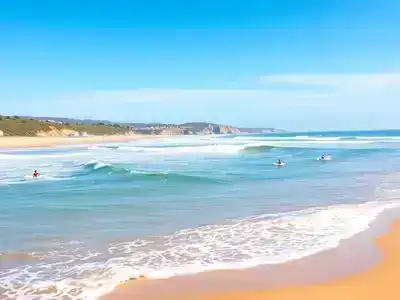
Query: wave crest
[[97, 167]]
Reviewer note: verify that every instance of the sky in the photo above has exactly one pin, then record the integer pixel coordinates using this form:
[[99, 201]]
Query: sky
[[297, 65]]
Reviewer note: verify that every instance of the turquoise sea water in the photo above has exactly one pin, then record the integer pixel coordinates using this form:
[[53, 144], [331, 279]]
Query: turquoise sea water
[[102, 214]]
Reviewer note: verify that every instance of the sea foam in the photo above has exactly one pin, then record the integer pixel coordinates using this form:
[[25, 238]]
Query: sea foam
[[264, 239]]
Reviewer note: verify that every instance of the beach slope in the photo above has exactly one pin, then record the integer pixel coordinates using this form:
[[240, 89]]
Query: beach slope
[[379, 281]]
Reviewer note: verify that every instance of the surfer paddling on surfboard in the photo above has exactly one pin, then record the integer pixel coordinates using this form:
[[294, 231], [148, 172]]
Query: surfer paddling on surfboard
[[35, 174], [279, 163], [324, 157]]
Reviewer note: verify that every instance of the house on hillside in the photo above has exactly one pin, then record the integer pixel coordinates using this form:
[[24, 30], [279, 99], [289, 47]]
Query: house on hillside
[[54, 121]]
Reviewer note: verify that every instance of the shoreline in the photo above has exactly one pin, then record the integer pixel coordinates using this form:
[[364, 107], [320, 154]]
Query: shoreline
[[31, 142], [343, 272], [380, 280]]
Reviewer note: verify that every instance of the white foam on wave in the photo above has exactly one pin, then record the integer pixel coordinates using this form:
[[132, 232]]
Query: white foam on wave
[[98, 164], [249, 242], [52, 167], [261, 138], [337, 142], [63, 165], [132, 148], [42, 177], [287, 138], [328, 157], [95, 147], [227, 147], [299, 144], [217, 148], [316, 139], [30, 179], [267, 239], [396, 138], [293, 142]]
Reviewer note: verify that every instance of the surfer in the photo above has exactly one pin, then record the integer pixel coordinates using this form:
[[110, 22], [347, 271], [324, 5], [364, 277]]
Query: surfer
[[35, 174], [279, 163], [325, 157]]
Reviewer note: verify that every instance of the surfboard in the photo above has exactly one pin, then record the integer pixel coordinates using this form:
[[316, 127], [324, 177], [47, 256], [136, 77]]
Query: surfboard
[[31, 177], [279, 165], [326, 158]]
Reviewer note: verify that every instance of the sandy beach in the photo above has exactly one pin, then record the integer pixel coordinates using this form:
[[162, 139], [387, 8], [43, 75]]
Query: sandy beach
[[357, 269], [26, 142]]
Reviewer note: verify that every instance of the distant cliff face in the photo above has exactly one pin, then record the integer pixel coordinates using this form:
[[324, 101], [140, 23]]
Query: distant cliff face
[[35, 126], [189, 129], [219, 129], [172, 131], [52, 131], [228, 129]]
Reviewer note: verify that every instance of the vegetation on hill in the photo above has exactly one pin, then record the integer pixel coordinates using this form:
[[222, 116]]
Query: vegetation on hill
[[33, 126], [18, 126], [100, 129]]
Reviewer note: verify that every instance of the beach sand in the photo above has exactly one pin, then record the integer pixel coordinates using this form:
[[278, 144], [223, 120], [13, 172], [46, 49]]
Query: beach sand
[[26, 142], [356, 270]]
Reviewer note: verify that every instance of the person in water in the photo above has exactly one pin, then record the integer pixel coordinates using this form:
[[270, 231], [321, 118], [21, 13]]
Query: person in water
[[279, 162], [323, 157], [35, 174]]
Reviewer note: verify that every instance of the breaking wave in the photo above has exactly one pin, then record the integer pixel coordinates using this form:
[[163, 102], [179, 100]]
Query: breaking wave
[[97, 167], [81, 273]]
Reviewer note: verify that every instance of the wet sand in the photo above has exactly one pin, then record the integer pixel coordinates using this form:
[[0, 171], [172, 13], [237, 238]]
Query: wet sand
[[358, 269], [27, 142]]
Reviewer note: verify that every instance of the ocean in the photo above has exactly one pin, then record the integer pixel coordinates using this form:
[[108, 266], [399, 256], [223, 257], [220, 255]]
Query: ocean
[[103, 214]]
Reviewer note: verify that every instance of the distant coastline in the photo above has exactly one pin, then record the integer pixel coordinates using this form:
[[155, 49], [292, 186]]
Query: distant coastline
[[26, 126]]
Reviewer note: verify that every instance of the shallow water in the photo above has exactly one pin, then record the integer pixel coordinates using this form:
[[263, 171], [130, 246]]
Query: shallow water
[[101, 214]]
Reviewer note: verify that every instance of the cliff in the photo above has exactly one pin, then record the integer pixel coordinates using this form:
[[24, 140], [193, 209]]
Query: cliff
[[218, 129], [171, 131], [34, 126], [52, 131]]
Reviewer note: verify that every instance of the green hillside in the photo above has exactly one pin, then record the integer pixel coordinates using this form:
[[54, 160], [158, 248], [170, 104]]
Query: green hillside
[[17, 126]]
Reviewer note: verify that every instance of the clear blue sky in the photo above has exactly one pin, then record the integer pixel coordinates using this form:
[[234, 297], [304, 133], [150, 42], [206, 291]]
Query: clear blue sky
[[293, 64]]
